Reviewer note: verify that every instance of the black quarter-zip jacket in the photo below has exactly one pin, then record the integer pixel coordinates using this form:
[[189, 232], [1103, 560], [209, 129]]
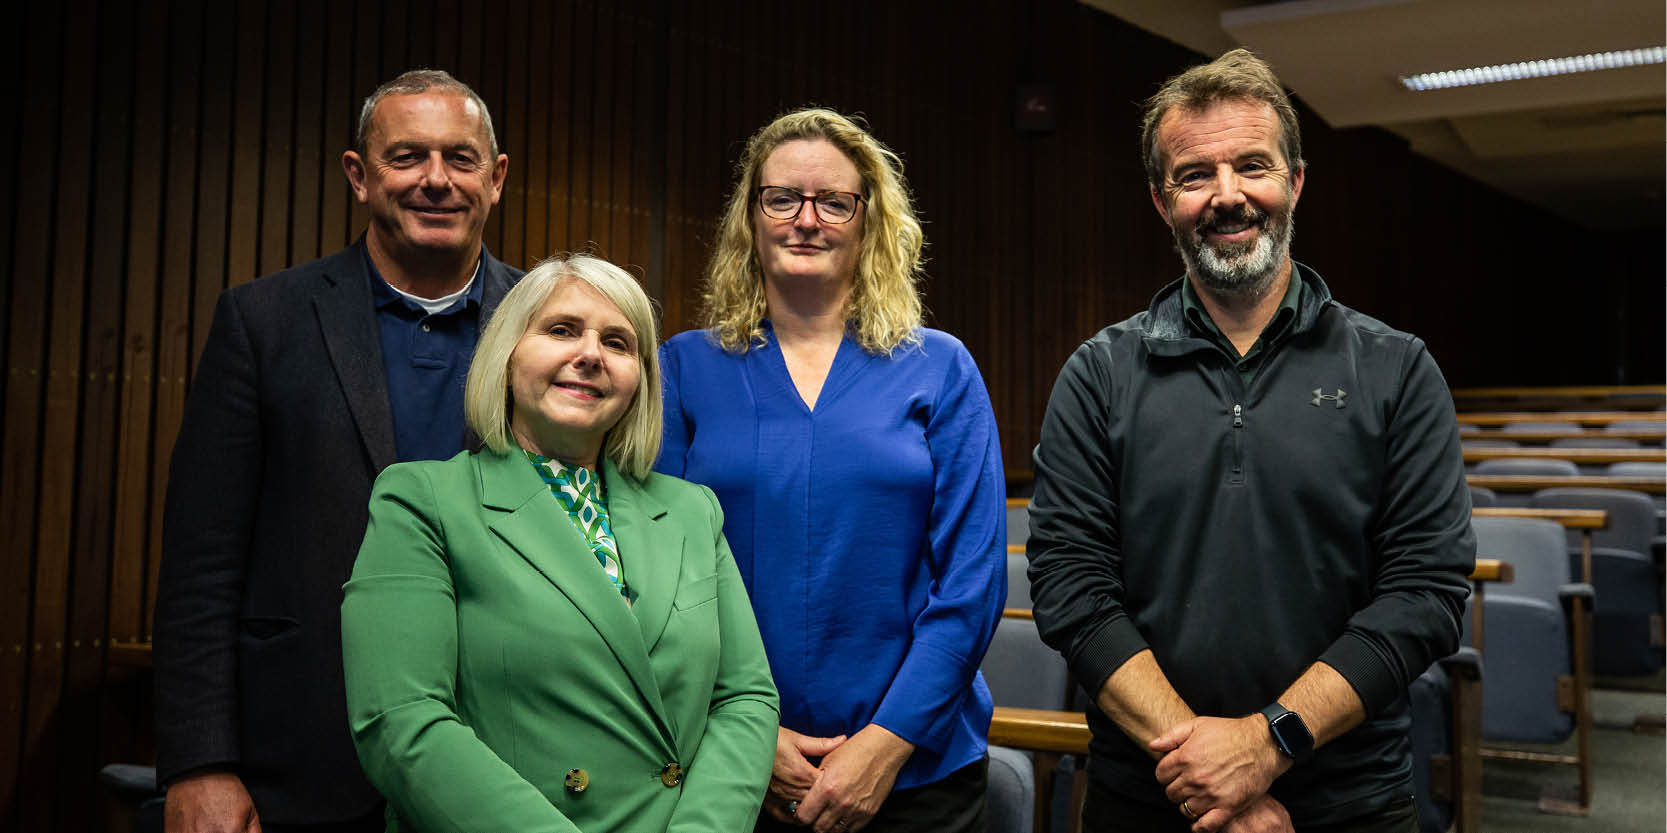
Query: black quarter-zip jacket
[[1244, 532]]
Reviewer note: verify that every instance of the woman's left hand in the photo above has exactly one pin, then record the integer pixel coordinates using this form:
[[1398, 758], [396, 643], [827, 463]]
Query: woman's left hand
[[854, 781]]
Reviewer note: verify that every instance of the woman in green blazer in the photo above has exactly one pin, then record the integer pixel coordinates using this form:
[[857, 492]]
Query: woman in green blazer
[[544, 635]]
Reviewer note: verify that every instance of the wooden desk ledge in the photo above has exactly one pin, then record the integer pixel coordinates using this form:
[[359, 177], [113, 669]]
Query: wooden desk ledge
[[1573, 455], [1560, 392], [1534, 483], [1577, 417], [1569, 518]]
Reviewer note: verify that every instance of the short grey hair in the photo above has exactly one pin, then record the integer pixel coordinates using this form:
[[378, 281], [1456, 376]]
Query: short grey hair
[[633, 443], [421, 81]]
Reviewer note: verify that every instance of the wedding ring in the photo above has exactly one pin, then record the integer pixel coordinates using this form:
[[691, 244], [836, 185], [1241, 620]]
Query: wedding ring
[[1187, 811]]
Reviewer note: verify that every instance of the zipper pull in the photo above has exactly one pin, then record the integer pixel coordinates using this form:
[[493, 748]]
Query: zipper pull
[[1238, 416]]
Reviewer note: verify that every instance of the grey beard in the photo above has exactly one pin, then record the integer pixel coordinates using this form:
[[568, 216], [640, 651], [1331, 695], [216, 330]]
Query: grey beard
[[1239, 272]]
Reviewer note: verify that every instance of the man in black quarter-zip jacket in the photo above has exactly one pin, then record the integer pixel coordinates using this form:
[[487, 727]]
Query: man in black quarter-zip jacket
[[1251, 529]]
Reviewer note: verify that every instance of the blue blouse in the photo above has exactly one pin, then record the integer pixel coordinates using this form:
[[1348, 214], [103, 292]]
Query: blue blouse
[[870, 532]]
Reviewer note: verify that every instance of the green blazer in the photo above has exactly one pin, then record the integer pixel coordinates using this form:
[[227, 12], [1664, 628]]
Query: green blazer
[[488, 656]]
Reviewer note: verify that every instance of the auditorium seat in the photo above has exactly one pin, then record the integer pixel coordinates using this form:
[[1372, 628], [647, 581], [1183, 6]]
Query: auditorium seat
[[1512, 427], [1023, 672], [1637, 469], [1594, 442], [1537, 642], [1481, 497], [1537, 467], [1018, 524], [1446, 766], [1635, 425], [1487, 442], [1629, 604], [1018, 581], [1011, 793]]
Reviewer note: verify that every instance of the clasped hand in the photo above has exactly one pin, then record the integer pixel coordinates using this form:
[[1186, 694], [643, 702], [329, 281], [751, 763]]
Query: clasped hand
[[1218, 766], [842, 794]]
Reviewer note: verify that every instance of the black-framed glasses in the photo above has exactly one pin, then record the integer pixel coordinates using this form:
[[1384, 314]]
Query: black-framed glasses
[[830, 206]]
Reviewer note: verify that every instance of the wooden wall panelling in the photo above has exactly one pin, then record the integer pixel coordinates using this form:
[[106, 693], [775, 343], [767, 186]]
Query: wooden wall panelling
[[309, 177], [339, 121], [618, 132], [139, 329], [419, 36], [514, 202], [121, 716], [175, 349], [585, 157], [649, 187], [449, 35], [31, 268], [249, 142], [214, 168], [560, 124], [58, 453], [394, 39], [79, 712], [678, 110], [485, 37], [536, 117], [277, 154], [366, 49]]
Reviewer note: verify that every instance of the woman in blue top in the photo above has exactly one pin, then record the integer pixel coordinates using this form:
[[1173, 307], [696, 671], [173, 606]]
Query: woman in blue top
[[856, 457]]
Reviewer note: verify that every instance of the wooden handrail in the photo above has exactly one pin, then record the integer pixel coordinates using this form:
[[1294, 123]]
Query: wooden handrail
[[1041, 730], [1576, 417], [1589, 456], [1534, 483]]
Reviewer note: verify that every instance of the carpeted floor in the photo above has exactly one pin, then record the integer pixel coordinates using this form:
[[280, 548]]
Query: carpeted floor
[[1629, 773]]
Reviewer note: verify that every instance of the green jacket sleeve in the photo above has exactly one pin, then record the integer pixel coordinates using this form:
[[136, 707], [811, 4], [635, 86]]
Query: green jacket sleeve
[[399, 646], [731, 768]]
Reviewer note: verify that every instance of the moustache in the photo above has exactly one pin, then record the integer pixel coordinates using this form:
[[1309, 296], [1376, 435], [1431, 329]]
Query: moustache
[[1243, 215]]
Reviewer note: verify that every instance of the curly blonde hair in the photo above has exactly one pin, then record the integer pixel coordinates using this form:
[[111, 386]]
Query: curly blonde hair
[[884, 310]]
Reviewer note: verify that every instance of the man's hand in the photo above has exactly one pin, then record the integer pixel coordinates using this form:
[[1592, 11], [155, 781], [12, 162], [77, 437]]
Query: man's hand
[[792, 776], [855, 780], [213, 802], [1217, 766], [1264, 815]]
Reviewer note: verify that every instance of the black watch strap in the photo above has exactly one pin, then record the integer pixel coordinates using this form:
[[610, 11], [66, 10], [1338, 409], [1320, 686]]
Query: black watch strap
[[1290, 734]]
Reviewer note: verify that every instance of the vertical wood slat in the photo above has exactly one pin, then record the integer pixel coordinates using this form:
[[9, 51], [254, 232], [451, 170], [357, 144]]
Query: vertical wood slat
[[340, 122], [276, 143], [214, 169], [535, 117], [92, 523], [308, 179], [248, 140], [365, 47], [174, 345], [559, 124], [58, 453], [25, 387]]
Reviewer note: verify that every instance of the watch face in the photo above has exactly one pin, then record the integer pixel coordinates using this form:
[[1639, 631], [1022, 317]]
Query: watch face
[[1292, 734]]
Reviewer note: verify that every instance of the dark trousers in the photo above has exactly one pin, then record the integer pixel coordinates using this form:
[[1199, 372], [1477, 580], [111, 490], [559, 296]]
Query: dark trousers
[[1109, 812], [952, 804], [373, 823]]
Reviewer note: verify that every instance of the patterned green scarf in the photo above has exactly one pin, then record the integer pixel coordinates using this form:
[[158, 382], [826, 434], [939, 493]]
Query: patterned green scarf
[[581, 494]]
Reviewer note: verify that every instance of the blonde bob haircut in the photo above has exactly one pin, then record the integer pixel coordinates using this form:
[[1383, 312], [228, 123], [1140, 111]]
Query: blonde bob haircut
[[634, 442], [884, 310]]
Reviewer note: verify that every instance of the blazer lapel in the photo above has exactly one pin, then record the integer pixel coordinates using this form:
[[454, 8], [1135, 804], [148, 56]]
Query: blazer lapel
[[534, 525], [347, 316], [651, 550]]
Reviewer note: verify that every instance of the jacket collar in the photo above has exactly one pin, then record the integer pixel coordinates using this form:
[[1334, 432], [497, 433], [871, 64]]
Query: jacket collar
[[530, 521], [1168, 334]]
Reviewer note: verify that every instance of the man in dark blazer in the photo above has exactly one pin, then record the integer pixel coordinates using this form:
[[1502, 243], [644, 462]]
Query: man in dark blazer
[[312, 381]]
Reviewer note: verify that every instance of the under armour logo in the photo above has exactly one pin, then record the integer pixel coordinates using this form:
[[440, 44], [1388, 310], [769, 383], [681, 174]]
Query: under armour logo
[[1319, 394]]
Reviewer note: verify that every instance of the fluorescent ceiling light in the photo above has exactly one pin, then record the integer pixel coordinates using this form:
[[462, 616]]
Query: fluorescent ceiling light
[[1534, 69]]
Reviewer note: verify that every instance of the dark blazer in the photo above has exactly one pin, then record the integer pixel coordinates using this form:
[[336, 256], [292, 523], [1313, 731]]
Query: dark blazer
[[488, 657], [286, 427]]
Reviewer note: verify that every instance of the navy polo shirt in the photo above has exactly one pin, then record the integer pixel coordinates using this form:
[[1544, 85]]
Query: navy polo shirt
[[426, 358]]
